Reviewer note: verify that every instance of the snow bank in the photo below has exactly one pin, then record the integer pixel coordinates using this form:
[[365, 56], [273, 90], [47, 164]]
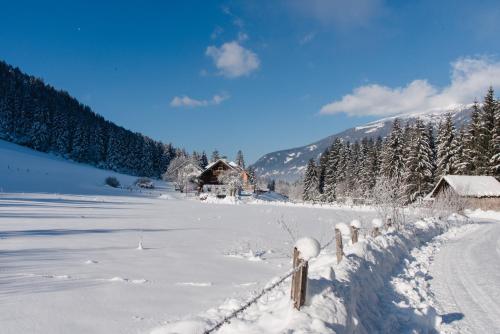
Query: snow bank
[[344, 229], [342, 298]]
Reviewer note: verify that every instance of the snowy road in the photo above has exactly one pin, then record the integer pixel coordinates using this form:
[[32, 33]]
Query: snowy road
[[466, 280]]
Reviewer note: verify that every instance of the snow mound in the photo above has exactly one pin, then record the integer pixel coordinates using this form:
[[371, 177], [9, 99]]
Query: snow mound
[[377, 223], [308, 248], [356, 223], [344, 229]]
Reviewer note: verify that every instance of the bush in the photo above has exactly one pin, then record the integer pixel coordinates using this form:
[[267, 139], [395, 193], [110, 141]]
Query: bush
[[112, 181], [144, 182]]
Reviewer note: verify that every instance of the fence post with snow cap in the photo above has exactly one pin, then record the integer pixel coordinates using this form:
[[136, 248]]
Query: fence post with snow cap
[[355, 227], [340, 229], [388, 223], [377, 225], [305, 249]]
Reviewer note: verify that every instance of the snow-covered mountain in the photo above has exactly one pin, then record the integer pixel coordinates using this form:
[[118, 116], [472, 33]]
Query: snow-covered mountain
[[290, 164]]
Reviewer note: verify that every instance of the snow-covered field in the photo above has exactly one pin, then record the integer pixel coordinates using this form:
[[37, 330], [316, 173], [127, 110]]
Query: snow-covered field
[[71, 264], [77, 256]]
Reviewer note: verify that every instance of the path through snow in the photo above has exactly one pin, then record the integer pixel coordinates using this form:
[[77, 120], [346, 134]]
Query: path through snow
[[466, 276]]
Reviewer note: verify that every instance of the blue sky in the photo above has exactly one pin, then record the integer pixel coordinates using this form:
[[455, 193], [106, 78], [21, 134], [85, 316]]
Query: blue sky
[[255, 75]]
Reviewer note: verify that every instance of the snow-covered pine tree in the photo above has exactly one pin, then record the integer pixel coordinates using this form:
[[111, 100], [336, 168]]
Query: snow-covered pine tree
[[432, 145], [392, 158], [240, 161], [331, 168], [486, 133], [203, 160], [446, 133], [368, 167], [472, 152], [495, 160], [323, 161], [311, 192], [418, 176], [457, 152], [341, 177], [353, 171]]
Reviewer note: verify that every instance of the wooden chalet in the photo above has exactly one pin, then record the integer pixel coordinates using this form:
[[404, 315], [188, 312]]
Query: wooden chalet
[[209, 178]]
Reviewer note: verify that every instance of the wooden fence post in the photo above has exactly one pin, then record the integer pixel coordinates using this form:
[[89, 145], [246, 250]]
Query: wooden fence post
[[354, 234], [299, 280], [339, 245], [388, 224], [375, 232]]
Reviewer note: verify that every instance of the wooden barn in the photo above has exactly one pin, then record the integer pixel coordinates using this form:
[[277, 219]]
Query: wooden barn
[[209, 178], [480, 191]]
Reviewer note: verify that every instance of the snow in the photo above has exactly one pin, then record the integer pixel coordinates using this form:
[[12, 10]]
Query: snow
[[308, 248], [344, 229], [71, 262], [472, 185], [377, 223], [356, 223], [22, 169]]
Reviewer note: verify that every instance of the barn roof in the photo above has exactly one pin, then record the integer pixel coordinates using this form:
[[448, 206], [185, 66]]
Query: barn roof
[[470, 185]]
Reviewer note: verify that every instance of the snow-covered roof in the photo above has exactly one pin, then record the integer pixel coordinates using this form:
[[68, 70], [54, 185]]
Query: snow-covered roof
[[470, 185], [231, 164]]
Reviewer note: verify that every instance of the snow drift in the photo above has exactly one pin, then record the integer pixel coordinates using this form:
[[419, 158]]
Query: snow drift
[[351, 297]]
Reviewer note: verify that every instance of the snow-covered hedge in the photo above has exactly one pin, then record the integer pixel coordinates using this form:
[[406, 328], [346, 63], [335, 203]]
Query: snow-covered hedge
[[351, 297]]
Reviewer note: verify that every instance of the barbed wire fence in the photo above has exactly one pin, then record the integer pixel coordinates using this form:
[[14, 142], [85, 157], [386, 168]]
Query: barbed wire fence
[[235, 313]]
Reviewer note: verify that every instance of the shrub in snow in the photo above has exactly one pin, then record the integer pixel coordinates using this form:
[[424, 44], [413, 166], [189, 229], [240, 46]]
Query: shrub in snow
[[308, 248], [112, 181], [144, 182]]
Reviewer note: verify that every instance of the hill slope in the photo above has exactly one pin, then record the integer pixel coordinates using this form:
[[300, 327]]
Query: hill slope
[[290, 164], [26, 170]]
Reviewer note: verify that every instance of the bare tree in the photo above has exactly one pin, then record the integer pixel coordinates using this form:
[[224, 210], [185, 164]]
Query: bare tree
[[232, 179], [181, 171], [389, 200]]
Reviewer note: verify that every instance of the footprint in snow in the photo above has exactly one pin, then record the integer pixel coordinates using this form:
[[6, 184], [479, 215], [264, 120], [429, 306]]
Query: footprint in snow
[[197, 284]]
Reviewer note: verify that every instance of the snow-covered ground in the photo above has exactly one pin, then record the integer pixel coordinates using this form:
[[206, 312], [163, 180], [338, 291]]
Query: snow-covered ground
[[71, 264], [77, 256]]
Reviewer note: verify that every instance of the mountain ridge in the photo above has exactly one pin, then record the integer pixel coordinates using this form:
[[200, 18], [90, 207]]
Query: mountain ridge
[[289, 164]]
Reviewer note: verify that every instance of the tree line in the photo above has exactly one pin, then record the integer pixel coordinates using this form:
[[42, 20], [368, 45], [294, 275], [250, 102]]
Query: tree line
[[37, 115], [412, 158]]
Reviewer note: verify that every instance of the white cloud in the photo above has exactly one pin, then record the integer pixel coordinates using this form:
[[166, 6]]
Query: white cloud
[[233, 60], [470, 78], [186, 101]]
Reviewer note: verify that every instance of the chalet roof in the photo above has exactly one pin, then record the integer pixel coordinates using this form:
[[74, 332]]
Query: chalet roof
[[230, 164], [470, 185]]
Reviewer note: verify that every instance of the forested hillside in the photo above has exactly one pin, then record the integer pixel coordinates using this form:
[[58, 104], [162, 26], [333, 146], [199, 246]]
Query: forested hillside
[[37, 115], [410, 160]]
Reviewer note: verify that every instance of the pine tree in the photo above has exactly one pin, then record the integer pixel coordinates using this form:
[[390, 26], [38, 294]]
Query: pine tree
[[215, 156], [495, 159], [457, 152], [240, 161], [311, 192], [486, 133], [418, 176], [323, 161], [393, 164], [446, 133], [203, 160], [331, 168], [472, 151]]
